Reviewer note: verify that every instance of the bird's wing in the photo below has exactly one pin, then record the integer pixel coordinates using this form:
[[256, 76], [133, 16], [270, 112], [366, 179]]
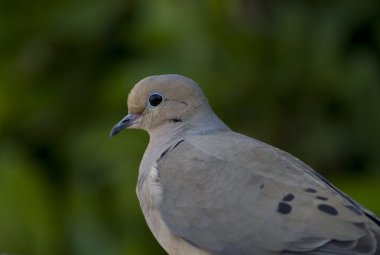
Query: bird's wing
[[230, 194]]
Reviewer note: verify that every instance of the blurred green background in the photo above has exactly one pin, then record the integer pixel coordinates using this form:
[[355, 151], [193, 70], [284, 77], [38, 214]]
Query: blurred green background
[[301, 75]]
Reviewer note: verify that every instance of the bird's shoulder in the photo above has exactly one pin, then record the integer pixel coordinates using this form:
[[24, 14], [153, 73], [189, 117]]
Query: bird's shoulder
[[235, 153]]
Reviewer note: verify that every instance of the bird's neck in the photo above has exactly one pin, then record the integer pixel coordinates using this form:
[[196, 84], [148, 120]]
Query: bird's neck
[[205, 122]]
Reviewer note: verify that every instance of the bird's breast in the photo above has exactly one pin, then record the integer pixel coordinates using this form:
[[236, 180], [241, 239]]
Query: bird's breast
[[149, 192]]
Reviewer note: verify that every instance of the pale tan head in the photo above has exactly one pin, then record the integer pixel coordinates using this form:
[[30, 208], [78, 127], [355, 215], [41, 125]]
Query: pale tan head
[[161, 100]]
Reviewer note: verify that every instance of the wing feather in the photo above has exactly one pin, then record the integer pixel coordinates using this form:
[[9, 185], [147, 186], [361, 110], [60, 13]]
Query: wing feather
[[222, 193]]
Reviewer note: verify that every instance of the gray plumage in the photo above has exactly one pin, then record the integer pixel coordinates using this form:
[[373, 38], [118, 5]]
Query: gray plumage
[[205, 189]]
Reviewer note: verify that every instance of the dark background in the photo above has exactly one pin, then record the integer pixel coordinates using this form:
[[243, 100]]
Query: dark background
[[301, 75]]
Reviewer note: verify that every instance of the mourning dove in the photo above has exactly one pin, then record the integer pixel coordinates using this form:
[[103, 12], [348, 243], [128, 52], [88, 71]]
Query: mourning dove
[[206, 190]]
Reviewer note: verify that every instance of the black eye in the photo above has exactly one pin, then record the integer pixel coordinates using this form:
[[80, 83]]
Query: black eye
[[155, 99]]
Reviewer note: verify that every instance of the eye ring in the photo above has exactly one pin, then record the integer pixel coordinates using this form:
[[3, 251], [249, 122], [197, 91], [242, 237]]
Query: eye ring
[[155, 99]]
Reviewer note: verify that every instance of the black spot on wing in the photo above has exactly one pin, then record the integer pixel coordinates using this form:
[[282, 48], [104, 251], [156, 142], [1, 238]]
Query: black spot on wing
[[322, 198], [284, 208], [370, 215], [175, 120], [289, 197], [328, 209], [337, 191], [310, 190]]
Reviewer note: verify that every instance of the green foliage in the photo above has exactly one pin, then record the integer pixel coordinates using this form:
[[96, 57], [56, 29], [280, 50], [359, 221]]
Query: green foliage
[[301, 75]]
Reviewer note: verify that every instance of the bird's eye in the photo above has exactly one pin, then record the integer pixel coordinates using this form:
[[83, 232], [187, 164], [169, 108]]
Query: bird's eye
[[155, 99]]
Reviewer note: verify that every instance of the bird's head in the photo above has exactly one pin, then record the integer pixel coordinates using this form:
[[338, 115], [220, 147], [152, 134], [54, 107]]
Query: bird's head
[[161, 100]]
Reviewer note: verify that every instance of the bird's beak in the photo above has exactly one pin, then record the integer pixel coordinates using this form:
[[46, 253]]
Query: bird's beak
[[127, 121]]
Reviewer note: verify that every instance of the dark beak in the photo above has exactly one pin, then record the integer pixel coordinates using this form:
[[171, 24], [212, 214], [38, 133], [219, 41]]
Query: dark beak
[[124, 123]]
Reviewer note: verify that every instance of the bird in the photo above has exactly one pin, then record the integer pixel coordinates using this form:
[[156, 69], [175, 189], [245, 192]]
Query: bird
[[207, 190]]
